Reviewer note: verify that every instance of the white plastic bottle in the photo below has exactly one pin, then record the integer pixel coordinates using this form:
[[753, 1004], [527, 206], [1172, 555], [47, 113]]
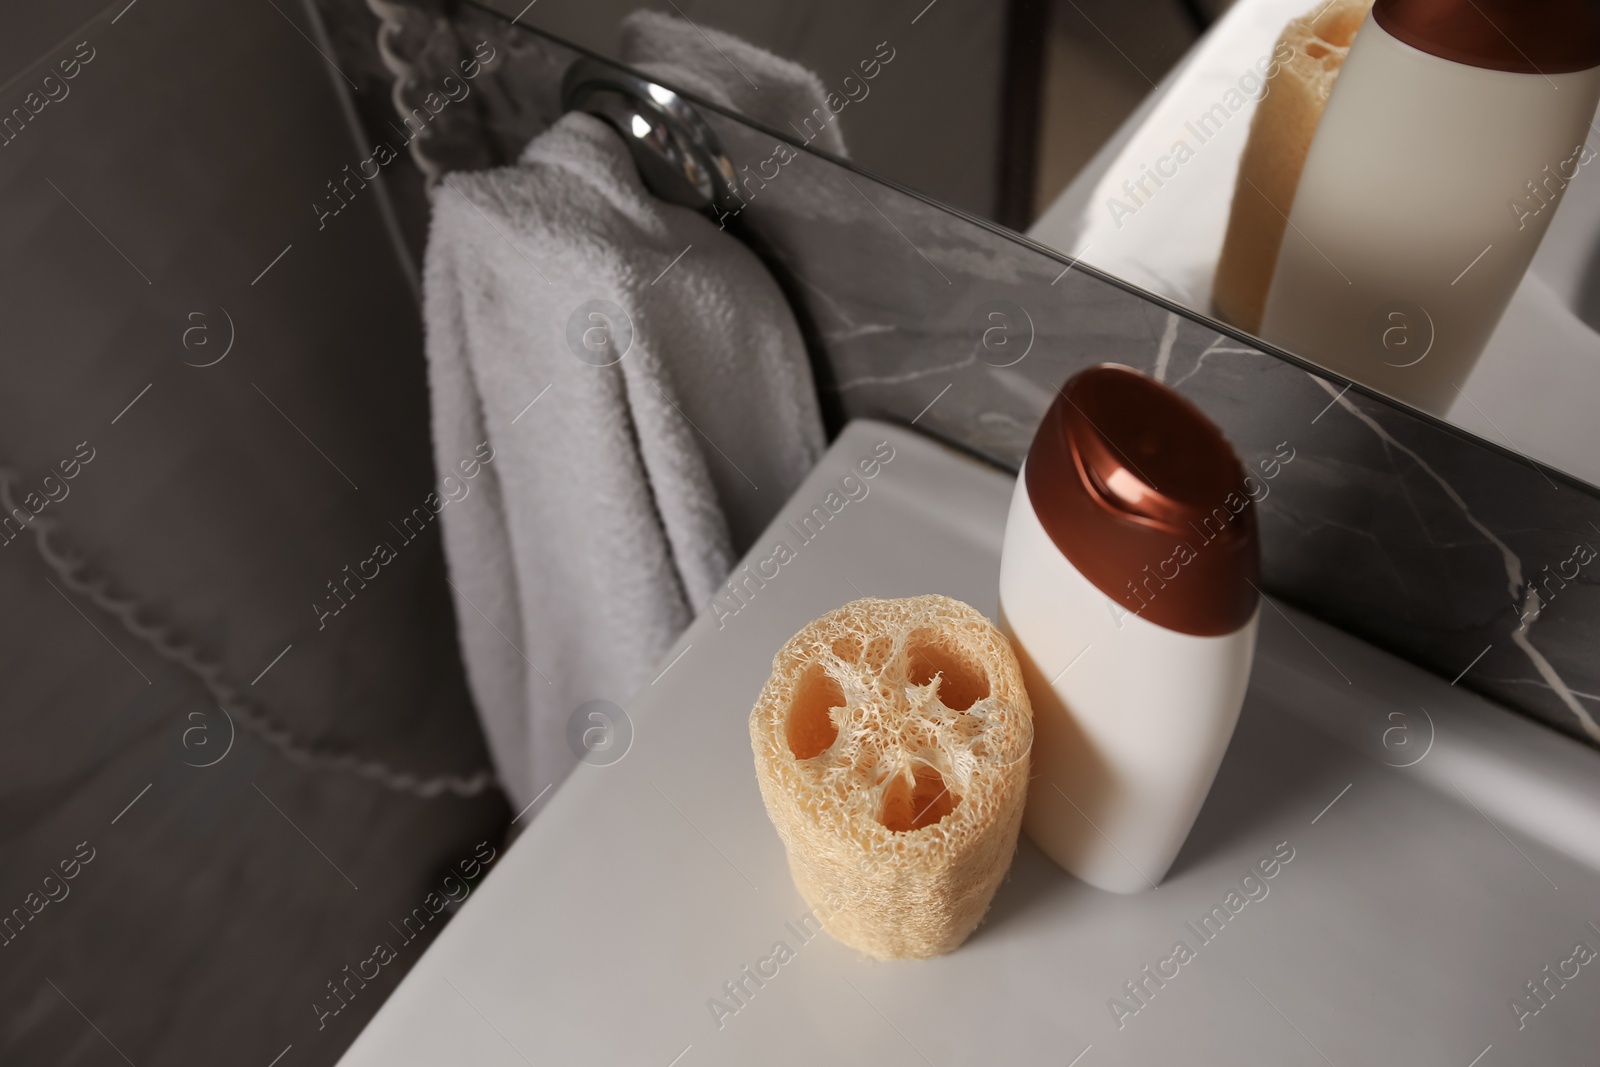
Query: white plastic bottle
[[1441, 156], [1128, 588]]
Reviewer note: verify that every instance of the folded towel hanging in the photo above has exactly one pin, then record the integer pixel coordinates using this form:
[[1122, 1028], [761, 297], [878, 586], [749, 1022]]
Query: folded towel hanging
[[636, 376]]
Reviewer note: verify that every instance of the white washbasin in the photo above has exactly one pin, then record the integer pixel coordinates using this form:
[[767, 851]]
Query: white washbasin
[[1417, 902]]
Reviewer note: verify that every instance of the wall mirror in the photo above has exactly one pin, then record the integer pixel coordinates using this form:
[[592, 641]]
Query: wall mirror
[[1423, 262], [1453, 548]]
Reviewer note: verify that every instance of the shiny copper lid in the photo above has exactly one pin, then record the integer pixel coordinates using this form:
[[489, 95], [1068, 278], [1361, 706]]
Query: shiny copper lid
[[1145, 497], [1522, 36]]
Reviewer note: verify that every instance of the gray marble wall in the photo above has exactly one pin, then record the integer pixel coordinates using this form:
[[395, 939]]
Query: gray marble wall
[[1404, 531]]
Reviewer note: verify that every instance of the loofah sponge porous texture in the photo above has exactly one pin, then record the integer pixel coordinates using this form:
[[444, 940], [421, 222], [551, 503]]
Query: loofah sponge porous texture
[[891, 743]]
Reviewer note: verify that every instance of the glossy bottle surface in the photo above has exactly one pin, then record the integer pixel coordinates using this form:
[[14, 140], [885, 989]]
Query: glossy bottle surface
[[1127, 587]]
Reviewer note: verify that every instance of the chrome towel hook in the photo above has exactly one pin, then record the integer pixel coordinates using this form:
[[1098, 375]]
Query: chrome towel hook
[[678, 155]]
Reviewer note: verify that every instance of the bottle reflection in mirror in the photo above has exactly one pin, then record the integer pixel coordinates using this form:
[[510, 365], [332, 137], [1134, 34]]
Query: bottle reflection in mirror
[[1432, 177]]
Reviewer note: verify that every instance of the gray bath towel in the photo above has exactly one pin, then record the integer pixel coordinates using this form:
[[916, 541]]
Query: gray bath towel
[[647, 399]]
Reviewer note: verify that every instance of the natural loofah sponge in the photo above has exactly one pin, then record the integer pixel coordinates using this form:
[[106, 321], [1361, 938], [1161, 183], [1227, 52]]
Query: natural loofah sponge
[[1280, 136], [891, 744]]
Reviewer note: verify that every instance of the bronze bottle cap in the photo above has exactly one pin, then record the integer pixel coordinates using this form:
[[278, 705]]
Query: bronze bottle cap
[[1145, 497], [1521, 36]]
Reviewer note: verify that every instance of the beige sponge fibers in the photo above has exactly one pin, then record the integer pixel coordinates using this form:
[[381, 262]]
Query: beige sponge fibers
[[891, 743], [1308, 56]]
